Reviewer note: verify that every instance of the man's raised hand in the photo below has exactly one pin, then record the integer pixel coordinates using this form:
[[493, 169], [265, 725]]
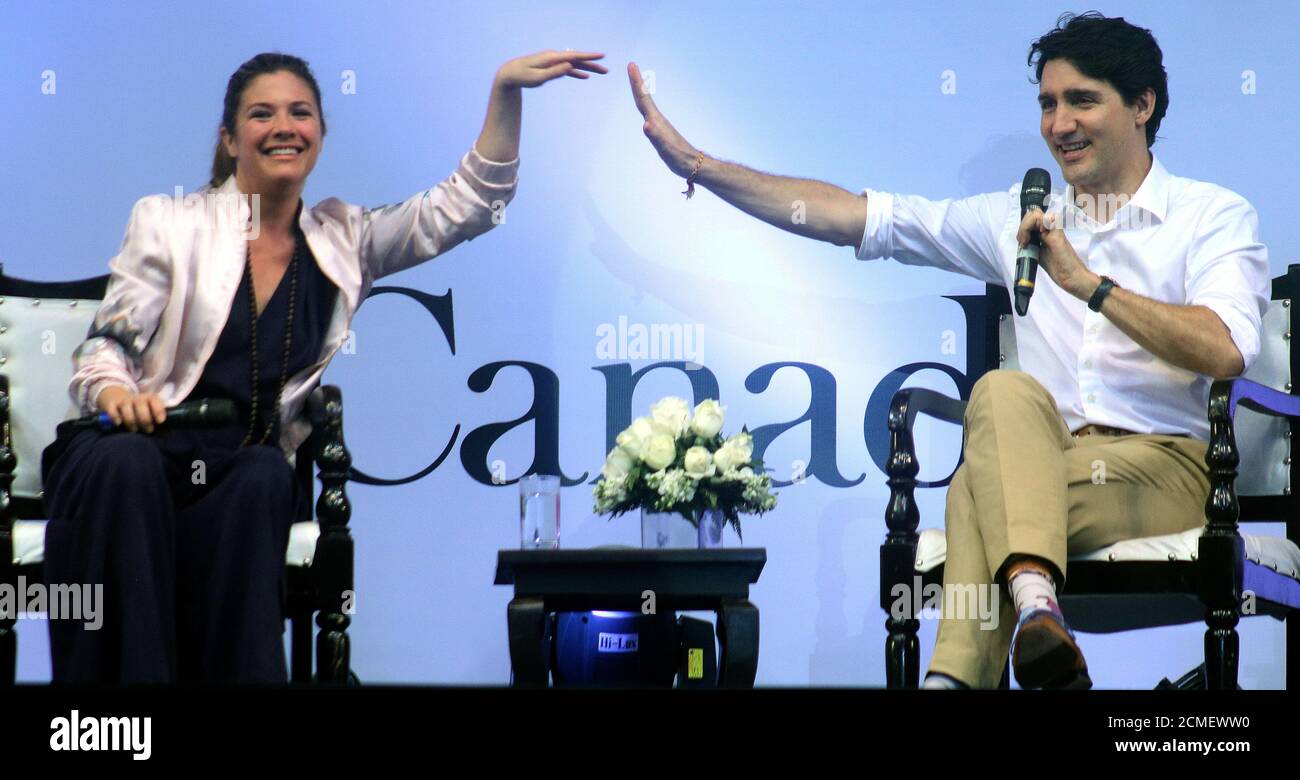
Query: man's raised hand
[[676, 152]]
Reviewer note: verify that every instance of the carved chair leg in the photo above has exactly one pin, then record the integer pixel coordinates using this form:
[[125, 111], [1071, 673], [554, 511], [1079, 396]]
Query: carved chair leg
[[333, 648], [1221, 650], [332, 569], [902, 653]]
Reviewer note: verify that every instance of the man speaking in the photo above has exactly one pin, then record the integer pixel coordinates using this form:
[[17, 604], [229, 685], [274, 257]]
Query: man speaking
[[1156, 284]]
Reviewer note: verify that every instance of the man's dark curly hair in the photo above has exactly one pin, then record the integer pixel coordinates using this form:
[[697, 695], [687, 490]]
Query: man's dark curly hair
[[1111, 50]]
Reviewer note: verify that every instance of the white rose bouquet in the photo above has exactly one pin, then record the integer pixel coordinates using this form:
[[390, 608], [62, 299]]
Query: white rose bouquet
[[673, 461]]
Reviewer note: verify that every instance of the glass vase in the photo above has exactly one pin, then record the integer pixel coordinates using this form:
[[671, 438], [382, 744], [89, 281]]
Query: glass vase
[[669, 530]]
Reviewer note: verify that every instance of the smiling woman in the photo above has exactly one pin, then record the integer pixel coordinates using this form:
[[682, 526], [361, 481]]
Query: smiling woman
[[272, 120], [272, 97], [187, 529]]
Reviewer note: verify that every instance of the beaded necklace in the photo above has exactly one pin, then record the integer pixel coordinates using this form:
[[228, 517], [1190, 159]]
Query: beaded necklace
[[288, 342]]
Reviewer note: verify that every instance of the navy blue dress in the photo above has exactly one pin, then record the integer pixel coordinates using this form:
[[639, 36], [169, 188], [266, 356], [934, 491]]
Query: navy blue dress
[[186, 530]]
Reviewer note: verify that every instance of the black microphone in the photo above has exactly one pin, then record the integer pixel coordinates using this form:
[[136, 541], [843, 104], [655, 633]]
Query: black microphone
[[1034, 191], [203, 413]]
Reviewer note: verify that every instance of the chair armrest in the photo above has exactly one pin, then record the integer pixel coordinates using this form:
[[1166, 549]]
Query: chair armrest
[[1222, 509], [1227, 394], [330, 453], [1221, 550], [911, 401], [332, 565], [898, 553], [901, 516], [324, 405], [331, 570]]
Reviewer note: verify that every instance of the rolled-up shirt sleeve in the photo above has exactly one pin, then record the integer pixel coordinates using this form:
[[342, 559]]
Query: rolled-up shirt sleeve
[[954, 235], [1228, 273]]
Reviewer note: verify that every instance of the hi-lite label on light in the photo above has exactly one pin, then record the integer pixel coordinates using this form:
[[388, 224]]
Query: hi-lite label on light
[[616, 643], [695, 663]]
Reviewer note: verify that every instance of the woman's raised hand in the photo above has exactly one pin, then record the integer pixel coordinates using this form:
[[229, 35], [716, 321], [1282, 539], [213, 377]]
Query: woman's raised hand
[[533, 70], [499, 140]]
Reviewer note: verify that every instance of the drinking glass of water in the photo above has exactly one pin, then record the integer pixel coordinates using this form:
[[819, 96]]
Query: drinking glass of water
[[539, 512]]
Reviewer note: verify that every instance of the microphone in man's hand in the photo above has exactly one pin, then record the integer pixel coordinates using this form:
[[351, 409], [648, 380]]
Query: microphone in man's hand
[[1034, 190], [203, 413]]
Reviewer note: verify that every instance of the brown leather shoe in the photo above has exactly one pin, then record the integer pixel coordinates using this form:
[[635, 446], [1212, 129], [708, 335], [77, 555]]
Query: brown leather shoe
[[1045, 655]]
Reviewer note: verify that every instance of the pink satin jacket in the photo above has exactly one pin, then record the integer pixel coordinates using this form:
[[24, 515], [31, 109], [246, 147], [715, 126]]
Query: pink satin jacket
[[173, 283]]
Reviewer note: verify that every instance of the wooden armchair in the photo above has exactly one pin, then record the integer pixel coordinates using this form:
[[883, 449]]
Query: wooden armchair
[[1206, 573]]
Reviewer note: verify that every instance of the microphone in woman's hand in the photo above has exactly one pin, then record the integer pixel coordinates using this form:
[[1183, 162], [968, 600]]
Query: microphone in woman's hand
[[203, 413]]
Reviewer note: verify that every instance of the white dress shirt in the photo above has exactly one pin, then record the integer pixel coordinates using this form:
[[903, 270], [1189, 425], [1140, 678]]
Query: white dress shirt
[[174, 281], [1177, 240]]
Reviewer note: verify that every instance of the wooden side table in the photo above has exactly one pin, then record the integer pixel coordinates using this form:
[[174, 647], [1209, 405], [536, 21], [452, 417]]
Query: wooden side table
[[625, 579]]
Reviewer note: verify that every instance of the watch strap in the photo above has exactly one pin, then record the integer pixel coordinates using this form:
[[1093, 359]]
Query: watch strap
[[1103, 290]]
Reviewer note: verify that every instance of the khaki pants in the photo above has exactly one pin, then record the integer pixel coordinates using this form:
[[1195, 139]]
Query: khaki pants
[[1028, 486]]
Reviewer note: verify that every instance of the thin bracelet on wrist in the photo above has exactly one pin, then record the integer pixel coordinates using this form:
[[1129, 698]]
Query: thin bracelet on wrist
[[690, 180]]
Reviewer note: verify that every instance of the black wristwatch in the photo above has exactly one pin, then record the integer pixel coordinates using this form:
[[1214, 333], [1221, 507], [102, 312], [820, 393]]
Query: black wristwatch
[[1103, 289]]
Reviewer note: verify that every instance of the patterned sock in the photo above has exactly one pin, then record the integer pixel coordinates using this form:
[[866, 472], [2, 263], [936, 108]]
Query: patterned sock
[[934, 681], [1033, 589]]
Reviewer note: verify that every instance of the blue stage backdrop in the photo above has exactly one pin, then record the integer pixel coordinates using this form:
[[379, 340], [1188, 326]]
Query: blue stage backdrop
[[107, 102]]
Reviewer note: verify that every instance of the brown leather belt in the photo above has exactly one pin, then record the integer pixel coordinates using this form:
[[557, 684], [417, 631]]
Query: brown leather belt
[[1103, 430]]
